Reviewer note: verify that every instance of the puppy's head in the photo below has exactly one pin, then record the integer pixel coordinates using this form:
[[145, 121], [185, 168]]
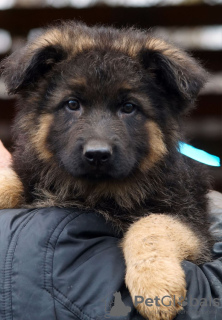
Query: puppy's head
[[102, 103]]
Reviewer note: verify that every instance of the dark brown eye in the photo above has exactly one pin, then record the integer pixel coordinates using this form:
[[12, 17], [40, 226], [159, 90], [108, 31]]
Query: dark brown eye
[[73, 104], [128, 108]]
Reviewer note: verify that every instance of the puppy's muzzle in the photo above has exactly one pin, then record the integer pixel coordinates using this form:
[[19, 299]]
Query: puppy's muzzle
[[97, 153]]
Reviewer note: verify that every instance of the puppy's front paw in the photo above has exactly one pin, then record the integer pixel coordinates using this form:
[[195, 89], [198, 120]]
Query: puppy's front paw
[[157, 287], [154, 248]]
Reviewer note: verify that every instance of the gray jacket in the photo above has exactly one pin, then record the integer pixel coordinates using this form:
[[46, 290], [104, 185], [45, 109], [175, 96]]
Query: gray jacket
[[63, 264]]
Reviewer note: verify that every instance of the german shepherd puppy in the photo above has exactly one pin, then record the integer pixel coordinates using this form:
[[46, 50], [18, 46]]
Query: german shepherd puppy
[[98, 127]]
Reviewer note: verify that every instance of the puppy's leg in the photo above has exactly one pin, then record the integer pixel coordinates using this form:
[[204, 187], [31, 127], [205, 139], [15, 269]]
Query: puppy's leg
[[153, 249], [11, 189]]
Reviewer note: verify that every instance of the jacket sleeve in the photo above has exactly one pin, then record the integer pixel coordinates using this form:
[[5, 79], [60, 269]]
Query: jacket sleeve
[[204, 282], [67, 264]]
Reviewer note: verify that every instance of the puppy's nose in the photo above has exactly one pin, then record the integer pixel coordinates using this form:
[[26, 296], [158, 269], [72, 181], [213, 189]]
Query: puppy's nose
[[97, 153]]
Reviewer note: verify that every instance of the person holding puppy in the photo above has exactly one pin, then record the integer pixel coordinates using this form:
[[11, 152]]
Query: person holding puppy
[[57, 264]]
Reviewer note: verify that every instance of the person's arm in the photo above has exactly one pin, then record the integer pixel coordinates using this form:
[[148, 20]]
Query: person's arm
[[11, 188], [5, 157]]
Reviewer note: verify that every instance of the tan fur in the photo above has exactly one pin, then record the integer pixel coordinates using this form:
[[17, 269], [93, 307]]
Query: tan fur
[[39, 137], [156, 144], [82, 40], [126, 86], [126, 193], [78, 82], [152, 43], [164, 47], [123, 44], [11, 189], [174, 55], [62, 37], [153, 249]]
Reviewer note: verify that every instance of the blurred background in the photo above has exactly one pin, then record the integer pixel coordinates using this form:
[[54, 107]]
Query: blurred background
[[195, 25]]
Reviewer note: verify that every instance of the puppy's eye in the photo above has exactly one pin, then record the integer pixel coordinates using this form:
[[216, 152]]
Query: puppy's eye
[[73, 105], [128, 108]]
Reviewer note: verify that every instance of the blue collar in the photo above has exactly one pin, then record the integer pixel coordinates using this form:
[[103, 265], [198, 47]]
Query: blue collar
[[199, 155]]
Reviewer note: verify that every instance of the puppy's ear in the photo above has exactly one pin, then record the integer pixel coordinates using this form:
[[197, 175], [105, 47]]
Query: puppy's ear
[[22, 69], [173, 69]]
